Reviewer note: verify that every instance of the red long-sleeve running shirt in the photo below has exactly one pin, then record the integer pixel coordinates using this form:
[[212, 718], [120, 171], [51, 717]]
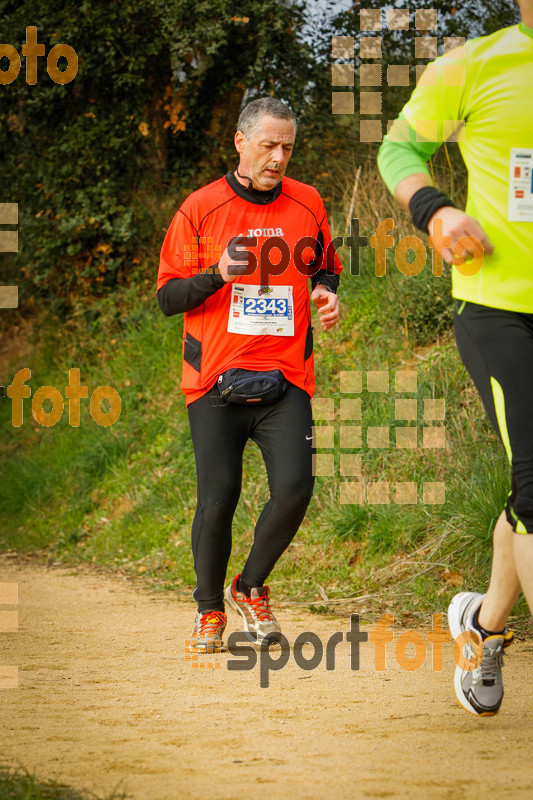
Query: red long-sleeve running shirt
[[292, 245]]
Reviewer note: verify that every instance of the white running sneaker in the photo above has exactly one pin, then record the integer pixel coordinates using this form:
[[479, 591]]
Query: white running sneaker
[[258, 620], [207, 634], [479, 690]]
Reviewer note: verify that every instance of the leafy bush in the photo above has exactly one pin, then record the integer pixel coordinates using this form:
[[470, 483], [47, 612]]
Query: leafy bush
[[426, 306], [158, 89]]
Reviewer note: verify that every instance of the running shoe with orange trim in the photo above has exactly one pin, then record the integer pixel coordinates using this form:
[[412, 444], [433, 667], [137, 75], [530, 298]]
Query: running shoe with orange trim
[[479, 690], [207, 634], [258, 620]]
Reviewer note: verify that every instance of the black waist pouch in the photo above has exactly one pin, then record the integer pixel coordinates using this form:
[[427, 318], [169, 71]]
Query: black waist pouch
[[245, 387]]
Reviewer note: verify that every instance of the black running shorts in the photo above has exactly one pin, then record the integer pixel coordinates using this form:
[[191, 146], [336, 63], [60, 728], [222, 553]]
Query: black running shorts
[[496, 347]]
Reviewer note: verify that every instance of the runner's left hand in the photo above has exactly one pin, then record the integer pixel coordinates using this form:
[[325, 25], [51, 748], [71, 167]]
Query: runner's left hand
[[327, 304]]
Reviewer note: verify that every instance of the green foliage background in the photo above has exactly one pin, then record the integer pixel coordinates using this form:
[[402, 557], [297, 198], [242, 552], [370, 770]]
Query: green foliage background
[[150, 112], [98, 168], [98, 164]]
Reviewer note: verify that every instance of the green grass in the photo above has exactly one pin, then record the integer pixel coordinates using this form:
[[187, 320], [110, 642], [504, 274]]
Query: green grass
[[124, 496], [21, 785]]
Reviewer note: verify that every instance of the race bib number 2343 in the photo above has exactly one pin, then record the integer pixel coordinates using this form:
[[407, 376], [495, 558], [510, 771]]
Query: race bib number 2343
[[260, 310]]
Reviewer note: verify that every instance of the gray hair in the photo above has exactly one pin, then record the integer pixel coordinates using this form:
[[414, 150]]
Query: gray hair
[[252, 113]]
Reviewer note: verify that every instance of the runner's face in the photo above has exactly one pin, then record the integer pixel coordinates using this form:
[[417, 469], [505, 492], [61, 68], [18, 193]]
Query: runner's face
[[266, 152]]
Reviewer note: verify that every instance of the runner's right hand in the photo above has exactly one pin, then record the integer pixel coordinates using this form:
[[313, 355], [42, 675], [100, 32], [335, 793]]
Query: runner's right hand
[[455, 225], [235, 260]]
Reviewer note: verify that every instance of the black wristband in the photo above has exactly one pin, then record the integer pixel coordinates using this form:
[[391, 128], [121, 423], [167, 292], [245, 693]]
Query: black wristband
[[424, 203], [327, 279]]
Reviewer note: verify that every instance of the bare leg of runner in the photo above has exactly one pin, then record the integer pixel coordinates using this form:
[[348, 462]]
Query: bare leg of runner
[[523, 549], [504, 585]]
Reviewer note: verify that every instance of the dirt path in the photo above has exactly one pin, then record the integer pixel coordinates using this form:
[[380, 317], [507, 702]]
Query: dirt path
[[106, 697]]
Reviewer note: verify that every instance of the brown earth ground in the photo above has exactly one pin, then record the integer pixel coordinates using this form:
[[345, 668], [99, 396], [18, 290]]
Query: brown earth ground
[[106, 699]]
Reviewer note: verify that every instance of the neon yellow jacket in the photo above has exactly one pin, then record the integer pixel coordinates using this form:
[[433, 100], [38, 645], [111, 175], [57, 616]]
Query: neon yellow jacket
[[482, 94]]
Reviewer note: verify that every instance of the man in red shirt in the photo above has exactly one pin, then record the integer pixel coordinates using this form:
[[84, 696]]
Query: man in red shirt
[[237, 260]]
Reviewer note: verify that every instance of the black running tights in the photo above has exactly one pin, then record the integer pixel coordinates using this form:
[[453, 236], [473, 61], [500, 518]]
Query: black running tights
[[283, 432]]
